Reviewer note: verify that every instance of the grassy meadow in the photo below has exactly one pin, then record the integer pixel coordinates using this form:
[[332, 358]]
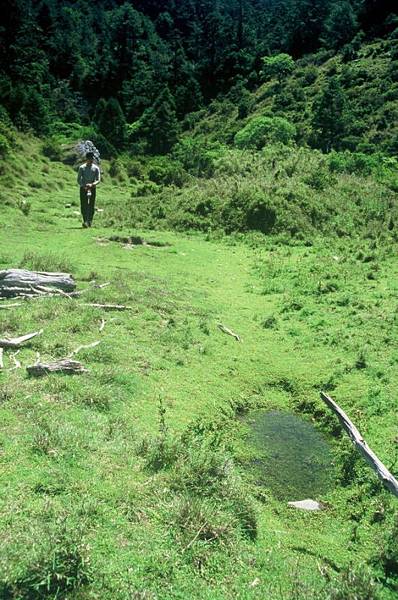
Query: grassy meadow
[[136, 480]]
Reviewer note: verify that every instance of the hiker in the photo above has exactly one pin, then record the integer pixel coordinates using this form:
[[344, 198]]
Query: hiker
[[88, 178]]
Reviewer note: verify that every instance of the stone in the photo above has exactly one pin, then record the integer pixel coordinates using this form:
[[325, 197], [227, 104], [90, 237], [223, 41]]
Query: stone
[[307, 504]]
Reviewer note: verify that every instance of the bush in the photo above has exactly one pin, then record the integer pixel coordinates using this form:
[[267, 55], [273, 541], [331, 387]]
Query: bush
[[353, 584], [52, 149], [135, 169], [265, 130], [57, 565], [389, 551], [198, 157], [353, 162], [4, 146], [116, 170], [164, 171], [248, 210], [24, 206]]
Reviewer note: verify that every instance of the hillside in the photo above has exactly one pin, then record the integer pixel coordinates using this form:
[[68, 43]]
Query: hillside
[[137, 478], [242, 260]]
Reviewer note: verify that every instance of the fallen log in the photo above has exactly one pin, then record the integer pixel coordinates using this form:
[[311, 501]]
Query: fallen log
[[229, 332], [18, 341], [15, 282], [65, 365], [382, 472]]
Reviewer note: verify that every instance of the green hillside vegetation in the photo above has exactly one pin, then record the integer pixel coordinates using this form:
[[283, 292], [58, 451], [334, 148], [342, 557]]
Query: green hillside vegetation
[[362, 106], [248, 222], [137, 477]]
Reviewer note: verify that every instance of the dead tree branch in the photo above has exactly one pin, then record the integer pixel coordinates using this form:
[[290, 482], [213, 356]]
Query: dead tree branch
[[229, 332], [18, 341], [382, 472]]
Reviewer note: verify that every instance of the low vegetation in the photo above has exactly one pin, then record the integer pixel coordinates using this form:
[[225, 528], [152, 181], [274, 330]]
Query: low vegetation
[[247, 224], [136, 479]]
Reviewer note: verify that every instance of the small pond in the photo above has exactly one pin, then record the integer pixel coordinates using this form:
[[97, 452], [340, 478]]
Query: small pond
[[294, 459]]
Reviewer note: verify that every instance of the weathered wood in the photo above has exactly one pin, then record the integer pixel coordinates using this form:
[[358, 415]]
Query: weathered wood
[[229, 332], [16, 361], [107, 306], [1, 358], [101, 327], [18, 341], [15, 282], [382, 472], [65, 365], [84, 347], [10, 305]]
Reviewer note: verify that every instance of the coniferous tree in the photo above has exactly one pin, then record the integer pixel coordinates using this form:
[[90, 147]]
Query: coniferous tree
[[159, 124], [340, 25], [112, 123], [330, 116]]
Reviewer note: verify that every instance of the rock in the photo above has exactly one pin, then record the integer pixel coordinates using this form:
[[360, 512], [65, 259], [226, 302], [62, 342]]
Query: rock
[[307, 504]]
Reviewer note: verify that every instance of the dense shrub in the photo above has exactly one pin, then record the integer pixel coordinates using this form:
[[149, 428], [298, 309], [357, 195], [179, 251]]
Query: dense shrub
[[4, 146], [353, 162], [265, 130], [165, 171], [52, 149], [198, 157], [248, 210]]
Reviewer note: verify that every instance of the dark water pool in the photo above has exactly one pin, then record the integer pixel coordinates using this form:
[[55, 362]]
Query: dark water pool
[[294, 459]]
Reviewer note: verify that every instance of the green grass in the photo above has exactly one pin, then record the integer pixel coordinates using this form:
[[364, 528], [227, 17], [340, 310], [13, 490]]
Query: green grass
[[134, 480]]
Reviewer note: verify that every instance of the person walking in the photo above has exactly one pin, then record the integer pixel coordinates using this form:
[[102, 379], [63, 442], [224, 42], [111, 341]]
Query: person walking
[[88, 177]]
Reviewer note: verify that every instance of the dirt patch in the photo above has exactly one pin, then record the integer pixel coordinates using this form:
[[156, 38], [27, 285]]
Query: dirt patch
[[135, 240]]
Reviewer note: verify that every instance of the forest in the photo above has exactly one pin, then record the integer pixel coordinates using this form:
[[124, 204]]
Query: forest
[[130, 69]]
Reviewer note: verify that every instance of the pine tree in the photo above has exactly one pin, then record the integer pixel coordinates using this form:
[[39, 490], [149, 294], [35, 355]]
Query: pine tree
[[340, 25], [111, 122], [159, 124], [330, 116]]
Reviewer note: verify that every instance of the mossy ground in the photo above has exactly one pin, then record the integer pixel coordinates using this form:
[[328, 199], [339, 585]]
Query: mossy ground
[[133, 480]]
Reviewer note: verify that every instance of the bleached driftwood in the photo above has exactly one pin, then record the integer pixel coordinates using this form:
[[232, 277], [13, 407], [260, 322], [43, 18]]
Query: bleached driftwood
[[229, 332], [65, 365], [108, 306], [17, 282], [84, 347], [10, 305], [1, 359], [101, 327], [16, 361], [18, 341], [382, 472]]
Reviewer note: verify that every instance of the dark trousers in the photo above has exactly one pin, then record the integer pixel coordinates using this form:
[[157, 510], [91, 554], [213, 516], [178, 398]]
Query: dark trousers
[[87, 205]]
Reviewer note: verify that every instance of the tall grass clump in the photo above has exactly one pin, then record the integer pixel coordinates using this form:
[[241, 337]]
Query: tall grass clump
[[50, 262], [53, 564]]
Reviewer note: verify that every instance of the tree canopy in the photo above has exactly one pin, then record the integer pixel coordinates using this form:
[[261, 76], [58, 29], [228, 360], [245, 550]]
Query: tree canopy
[[58, 58]]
